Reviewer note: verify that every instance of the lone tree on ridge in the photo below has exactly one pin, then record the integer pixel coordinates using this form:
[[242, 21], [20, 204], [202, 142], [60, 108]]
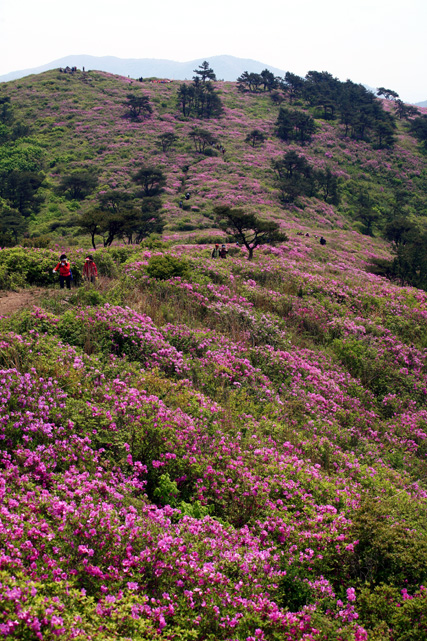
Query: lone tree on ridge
[[248, 229]]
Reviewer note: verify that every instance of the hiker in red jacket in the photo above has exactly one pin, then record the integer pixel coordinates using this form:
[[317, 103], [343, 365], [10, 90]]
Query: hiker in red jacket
[[64, 271], [90, 272]]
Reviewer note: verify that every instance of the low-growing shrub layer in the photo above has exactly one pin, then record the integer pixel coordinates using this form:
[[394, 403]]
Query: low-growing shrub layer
[[232, 451]]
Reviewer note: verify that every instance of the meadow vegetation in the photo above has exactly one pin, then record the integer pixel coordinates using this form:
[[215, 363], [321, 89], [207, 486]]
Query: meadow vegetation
[[203, 449], [214, 449]]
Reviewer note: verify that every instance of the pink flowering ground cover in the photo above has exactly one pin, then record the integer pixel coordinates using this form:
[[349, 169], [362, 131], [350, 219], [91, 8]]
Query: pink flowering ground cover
[[78, 122], [237, 453]]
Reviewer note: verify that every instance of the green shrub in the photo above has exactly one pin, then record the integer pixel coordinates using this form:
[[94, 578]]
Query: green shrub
[[9, 279], [166, 491], [186, 225], [165, 267], [41, 242], [119, 255], [392, 542], [88, 296], [67, 613], [21, 266], [389, 613]]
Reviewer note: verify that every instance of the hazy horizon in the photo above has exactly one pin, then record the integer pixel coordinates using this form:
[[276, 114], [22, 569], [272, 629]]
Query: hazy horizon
[[374, 42]]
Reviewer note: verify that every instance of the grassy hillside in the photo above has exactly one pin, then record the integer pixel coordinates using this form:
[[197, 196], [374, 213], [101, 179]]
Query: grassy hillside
[[236, 453], [78, 121], [204, 449]]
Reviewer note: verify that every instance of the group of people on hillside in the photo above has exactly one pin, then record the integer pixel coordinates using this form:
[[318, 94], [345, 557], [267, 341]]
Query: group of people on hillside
[[69, 70], [219, 252], [322, 240], [63, 268], [90, 271]]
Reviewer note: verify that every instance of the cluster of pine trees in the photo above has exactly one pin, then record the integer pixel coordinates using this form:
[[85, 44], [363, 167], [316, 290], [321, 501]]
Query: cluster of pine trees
[[19, 188]]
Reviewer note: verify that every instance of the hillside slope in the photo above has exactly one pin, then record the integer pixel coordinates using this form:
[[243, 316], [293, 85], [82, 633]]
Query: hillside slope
[[78, 121], [208, 449], [234, 453]]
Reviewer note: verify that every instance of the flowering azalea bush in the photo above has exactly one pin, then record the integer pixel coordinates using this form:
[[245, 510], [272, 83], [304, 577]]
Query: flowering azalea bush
[[236, 453]]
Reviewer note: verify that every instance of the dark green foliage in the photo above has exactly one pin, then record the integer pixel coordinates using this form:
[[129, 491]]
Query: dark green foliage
[[359, 111], [294, 593], [143, 221], [185, 99], [284, 124], [204, 72], [248, 229], [321, 90], [409, 265], [388, 94], [12, 224], [419, 129], [151, 180], [296, 125], [363, 116], [10, 131], [91, 223], [293, 85], [20, 190], [42, 242], [256, 82], [405, 112], [138, 106], [255, 138], [202, 139], [392, 543], [294, 177], [20, 130], [167, 141], [79, 184], [113, 200], [269, 80], [200, 99], [328, 186], [366, 212], [397, 230], [382, 267], [250, 82], [384, 132], [387, 614], [277, 97], [113, 225], [123, 215], [208, 103], [6, 112], [109, 218], [23, 266]]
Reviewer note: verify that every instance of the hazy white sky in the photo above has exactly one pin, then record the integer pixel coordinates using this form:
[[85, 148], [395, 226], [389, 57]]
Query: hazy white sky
[[375, 42]]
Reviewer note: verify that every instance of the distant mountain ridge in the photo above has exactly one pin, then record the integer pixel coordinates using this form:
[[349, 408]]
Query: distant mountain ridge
[[226, 67]]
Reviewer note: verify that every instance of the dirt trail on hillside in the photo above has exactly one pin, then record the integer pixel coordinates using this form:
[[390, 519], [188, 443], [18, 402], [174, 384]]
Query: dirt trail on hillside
[[11, 302]]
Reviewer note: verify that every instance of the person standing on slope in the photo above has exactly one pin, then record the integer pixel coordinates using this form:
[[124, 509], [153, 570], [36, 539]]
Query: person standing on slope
[[90, 272], [215, 252], [63, 267]]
